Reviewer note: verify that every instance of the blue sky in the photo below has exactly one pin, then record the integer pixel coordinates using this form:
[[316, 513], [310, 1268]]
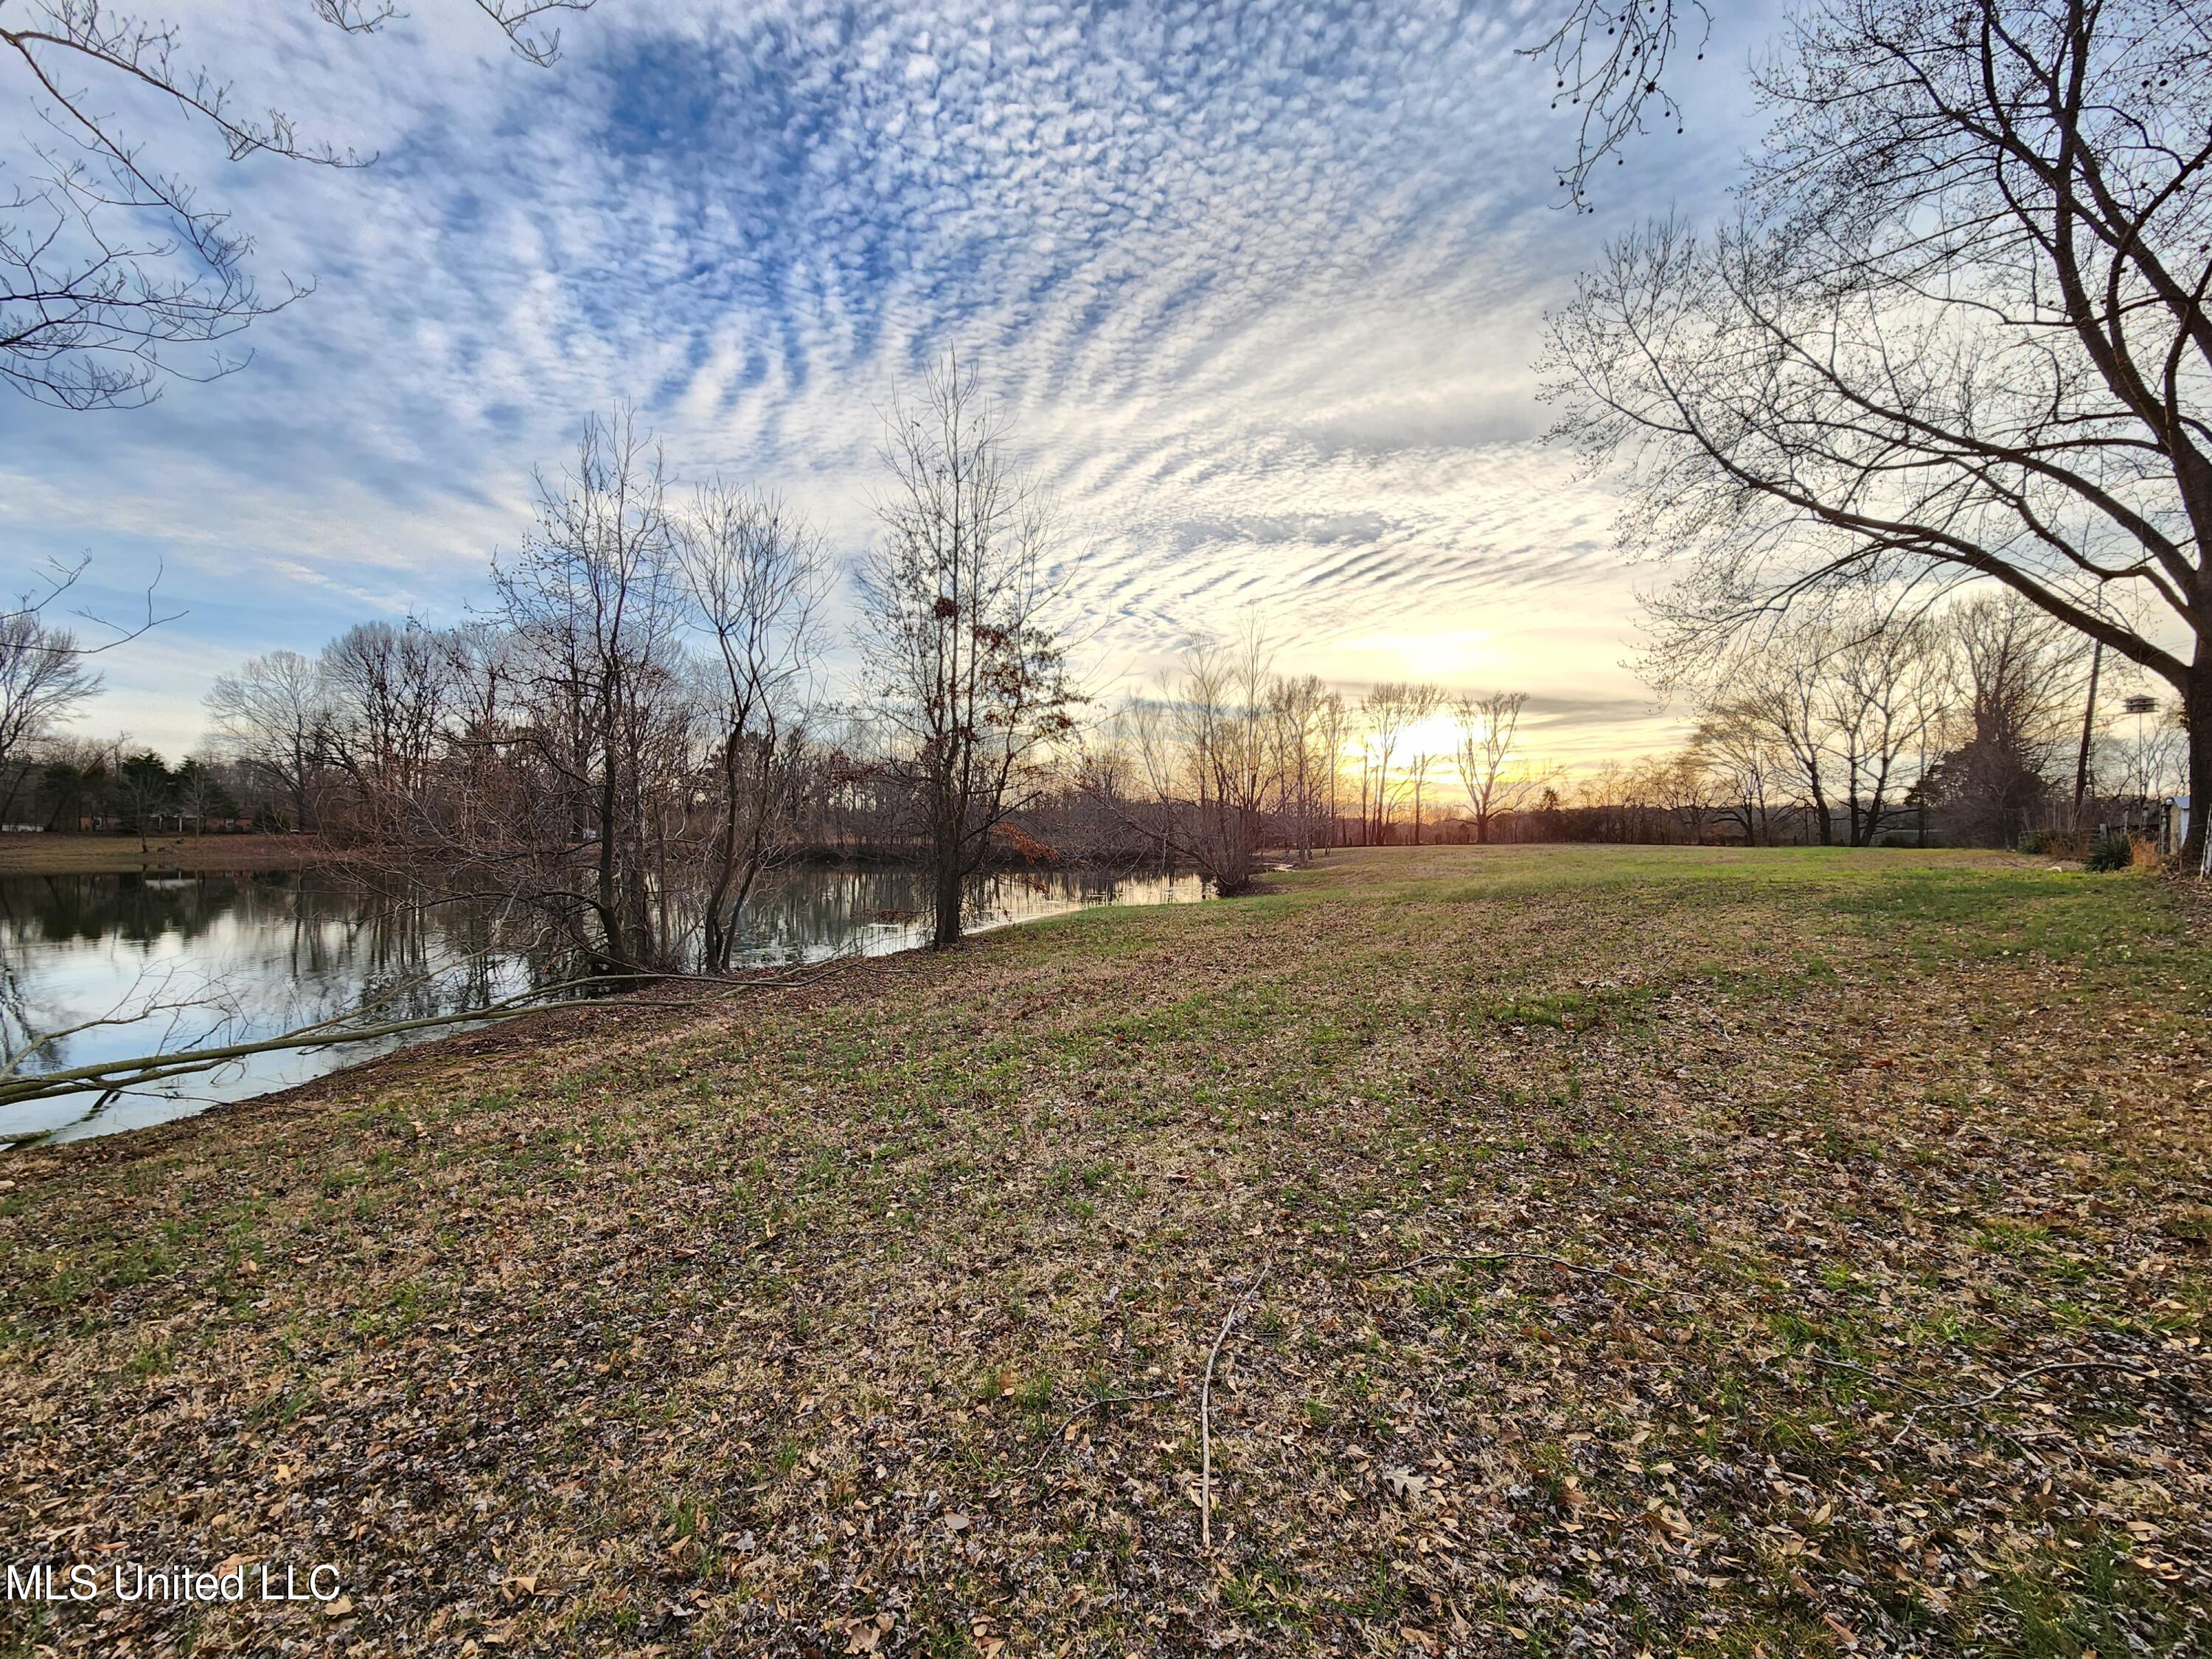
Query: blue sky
[[1261, 286]]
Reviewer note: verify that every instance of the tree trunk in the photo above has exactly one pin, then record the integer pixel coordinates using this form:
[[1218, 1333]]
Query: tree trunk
[[611, 915], [2088, 731], [947, 931], [718, 933], [2198, 713]]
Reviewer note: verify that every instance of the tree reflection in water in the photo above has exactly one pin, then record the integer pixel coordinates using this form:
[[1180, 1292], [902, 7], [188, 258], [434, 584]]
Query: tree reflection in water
[[164, 962]]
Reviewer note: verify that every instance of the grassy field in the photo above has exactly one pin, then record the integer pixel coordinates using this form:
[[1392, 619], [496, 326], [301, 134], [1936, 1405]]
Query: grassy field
[[57, 855], [1787, 1253]]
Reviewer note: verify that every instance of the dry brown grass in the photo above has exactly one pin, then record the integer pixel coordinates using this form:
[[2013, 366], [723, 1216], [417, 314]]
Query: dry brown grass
[[55, 855], [776, 1329]]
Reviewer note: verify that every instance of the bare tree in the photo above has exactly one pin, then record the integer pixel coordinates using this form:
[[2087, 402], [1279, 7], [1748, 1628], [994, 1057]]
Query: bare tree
[[1846, 698], [1617, 800], [1745, 763], [754, 579], [43, 682], [1208, 751], [566, 753], [1615, 81], [481, 658], [1498, 778], [1883, 690], [596, 740], [110, 263], [45, 675], [1958, 331], [1387, 710], [1683, 786], [2016, 671], [1301, 736], [961, 655], [1425, 742], [1332, 725], [273, 715], [1772, 689], [199, 794], [387, 691]]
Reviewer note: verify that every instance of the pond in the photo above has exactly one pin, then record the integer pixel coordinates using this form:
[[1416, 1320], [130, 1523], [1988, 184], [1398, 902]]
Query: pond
[[139, 964]]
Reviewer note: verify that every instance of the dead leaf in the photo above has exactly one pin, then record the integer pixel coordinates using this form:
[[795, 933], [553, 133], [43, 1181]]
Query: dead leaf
[[1404, 1483], [865, 1635]]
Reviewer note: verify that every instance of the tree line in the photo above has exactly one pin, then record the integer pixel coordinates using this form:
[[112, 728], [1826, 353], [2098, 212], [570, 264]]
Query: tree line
[[636, 728], [641, 725], [1953, 342], [1977, 724], [1955, 335]]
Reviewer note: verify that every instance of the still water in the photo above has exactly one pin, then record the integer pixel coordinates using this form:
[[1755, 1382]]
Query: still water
[[135, 965]]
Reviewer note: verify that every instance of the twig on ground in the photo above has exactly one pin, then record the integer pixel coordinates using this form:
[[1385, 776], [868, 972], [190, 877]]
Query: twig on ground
[[1975, 1402], [1502, 1256], [1060, 1435], [1882, 1377], [1206, 1410]]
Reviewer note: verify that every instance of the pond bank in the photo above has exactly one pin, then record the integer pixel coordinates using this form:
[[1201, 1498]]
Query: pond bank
[[116, 966]]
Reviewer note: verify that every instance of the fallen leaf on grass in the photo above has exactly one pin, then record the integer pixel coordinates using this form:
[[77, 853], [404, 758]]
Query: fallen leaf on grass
[[1404, 1483], [864, 1635]]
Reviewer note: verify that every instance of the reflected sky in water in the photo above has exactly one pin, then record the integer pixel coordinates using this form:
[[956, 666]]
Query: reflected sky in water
[[168, 962]]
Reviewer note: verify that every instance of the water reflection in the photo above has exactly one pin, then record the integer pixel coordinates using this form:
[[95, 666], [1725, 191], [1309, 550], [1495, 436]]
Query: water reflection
[[805, 914], [204, 960]]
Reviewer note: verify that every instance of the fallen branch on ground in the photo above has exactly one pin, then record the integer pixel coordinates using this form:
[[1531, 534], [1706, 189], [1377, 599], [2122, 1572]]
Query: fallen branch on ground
[[1975, 1402], [1888, 1382], [1206, 1413], [137, 1071]]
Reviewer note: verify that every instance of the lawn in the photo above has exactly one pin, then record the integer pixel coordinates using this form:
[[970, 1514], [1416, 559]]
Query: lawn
[[1793, 1253], [24, 854]]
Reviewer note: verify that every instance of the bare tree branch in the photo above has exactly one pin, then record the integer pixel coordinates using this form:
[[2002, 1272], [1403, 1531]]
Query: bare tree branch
[[114, 276]]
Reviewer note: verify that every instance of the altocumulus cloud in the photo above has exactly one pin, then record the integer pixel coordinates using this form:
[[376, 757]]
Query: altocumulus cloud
[[1259, 285]]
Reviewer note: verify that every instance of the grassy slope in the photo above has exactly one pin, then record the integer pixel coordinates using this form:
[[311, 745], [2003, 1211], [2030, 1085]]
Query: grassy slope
[[25, 855], [756, 1331]]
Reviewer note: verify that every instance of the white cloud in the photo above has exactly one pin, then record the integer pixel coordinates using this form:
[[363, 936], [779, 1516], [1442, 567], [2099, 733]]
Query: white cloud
[[1260, 288]]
